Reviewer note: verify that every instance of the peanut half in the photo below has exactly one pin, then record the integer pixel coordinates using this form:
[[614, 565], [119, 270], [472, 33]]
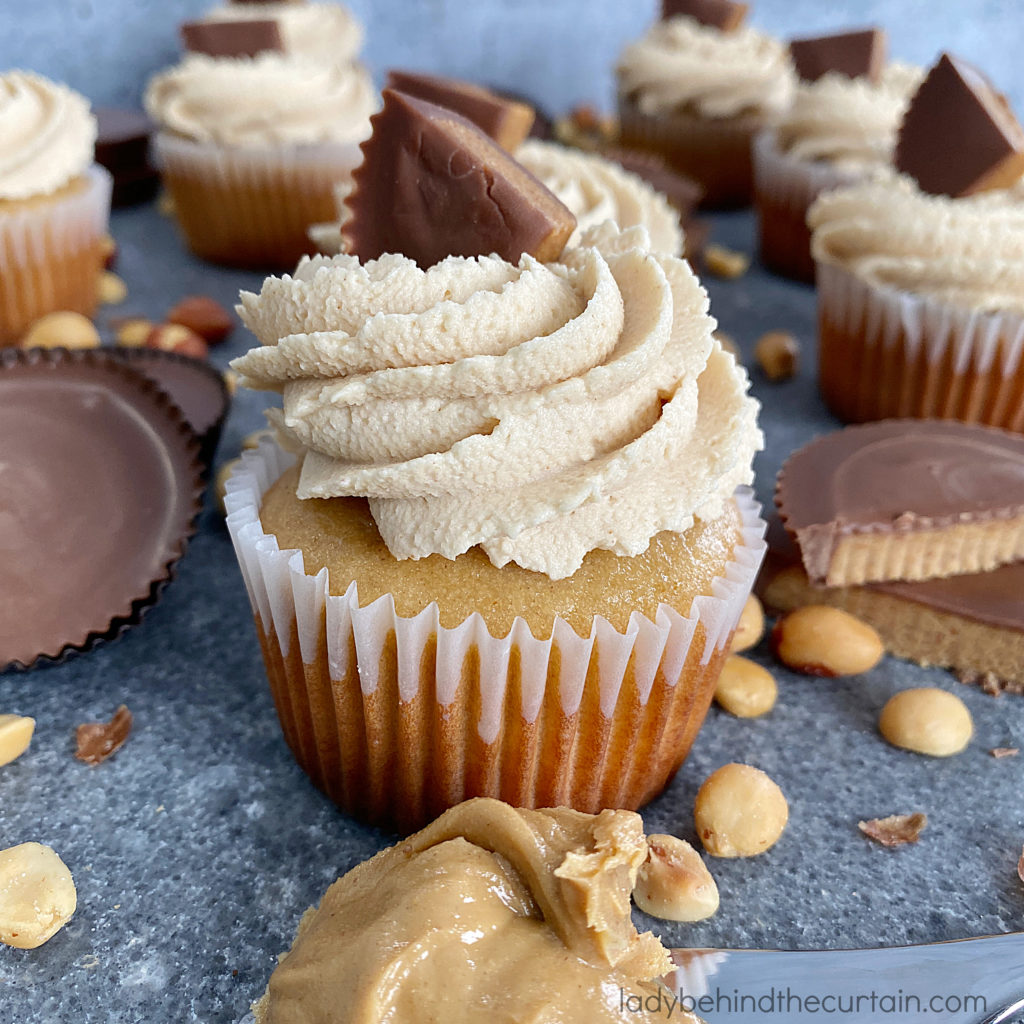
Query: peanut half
[[674, 883], [822, 641], [927, 720], [37, 895], [745, 689], [739, 812], [15, 736], [750, 628], [778, 355], [64, 329]]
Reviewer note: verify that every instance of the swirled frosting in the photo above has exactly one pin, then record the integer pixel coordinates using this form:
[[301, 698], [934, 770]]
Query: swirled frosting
[[268, 99], [968, 251], [47, 135], [325, 32], [540, 411], [850, 122], [681, 64]]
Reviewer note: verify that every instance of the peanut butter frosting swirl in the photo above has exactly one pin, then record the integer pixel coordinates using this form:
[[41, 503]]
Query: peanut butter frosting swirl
[[850, 122], [596, 190], [325, 32], [968, 252], [47, 135], [269, 99], [681, 64], [540, 411]]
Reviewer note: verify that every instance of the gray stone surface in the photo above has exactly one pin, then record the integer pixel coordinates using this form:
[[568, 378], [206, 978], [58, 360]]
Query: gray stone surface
[[198, 846]]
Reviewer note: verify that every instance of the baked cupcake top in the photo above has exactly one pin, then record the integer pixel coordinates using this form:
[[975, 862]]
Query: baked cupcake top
[[269, 99], [47, 135], [849, 122], [537, 410], [325, 32], [680, 64], [968, 251]]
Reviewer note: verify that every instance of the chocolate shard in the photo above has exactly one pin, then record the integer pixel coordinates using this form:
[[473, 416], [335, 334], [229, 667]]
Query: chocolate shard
[[857, 54], [506, 121], [432, 185], [959, 135], [721, 14], [681, 191], [232, 38]]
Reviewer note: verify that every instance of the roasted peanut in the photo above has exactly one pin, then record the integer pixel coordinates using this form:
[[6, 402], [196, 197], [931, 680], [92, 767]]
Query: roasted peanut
[[745, 689], [178, 339], [927, 720], [207, 317], [15, 736], [723, 262], [739, 812], [778, 355], [674, 883], [109, 252], [110, 289], [822, 641], [252, 440], [231, 381], [133, 332], [750, 628], [62, 330], [37, 895]]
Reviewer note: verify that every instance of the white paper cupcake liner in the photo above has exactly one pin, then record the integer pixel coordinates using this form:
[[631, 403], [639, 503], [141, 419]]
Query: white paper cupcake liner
[[611, 725], [51, 254], [888, 353]]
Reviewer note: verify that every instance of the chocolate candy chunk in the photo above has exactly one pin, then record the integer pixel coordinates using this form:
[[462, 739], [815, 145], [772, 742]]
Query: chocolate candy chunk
[[433, 185], [122, 146], [682, 192], [859, 54], [959, 135], [506, 121], [232, 38], [720, 14]]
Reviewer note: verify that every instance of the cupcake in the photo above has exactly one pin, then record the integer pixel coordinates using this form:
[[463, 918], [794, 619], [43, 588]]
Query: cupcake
[[696, 89], [54, 203], [920, 270], [251, 148], [841, 127], [503, 550]]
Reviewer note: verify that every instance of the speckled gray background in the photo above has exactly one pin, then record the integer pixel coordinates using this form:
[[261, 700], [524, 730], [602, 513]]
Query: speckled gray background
[[560, 51]]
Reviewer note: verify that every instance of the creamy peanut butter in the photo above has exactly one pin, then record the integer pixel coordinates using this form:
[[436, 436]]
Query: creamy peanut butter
[[488, 913]]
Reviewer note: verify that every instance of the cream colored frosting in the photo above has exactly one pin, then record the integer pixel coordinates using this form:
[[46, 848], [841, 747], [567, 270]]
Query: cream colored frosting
[[681, 64], [325, 32], [969, 251], [489, 907], [850, 122], [540, 411], [47, 135], [269, 99]]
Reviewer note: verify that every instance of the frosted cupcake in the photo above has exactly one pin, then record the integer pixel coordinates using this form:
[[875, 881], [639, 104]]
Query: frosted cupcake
[[54, 203], [840, 128], [696, 91], [251, 149], [921, 278]]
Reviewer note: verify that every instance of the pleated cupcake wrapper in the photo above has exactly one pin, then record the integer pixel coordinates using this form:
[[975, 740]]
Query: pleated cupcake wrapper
[[252, 206], [714, 151], [397, 718], [887, 353], [51, 255], [784, 189]]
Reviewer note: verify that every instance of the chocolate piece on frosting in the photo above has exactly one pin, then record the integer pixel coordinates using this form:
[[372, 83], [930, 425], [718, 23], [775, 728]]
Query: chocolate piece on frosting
[[681, 191], [122, 146], [232, 38], [959, 135], [905, 500], [858, 54], [720, 14], [432, 185], [506, 121]]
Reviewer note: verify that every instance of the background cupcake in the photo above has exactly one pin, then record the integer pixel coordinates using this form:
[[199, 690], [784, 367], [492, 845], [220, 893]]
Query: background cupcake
[[696, 94], [54, 203], [841, 126]]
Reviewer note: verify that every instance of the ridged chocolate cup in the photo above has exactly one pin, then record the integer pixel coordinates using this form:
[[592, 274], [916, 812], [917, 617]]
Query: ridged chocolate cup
[[103, 486]]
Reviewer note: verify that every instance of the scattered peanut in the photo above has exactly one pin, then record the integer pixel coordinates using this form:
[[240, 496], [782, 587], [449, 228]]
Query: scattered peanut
[[896, 830], [231, 381], [745, 689], [778, 355], [178, 339], [822, 641], [723, 262], [927, 720], [133, 332], [220, 483], [750, 628], [739, 812], [252, 440], [62, 330], [207, 317], [165, 204], [37, 895], [15, 736], [109, 252], [110, 289], [674, 883]]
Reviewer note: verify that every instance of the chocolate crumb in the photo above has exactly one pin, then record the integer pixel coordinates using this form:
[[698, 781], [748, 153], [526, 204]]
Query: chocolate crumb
[[1000, 752], [97, 741], [896, 830]]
